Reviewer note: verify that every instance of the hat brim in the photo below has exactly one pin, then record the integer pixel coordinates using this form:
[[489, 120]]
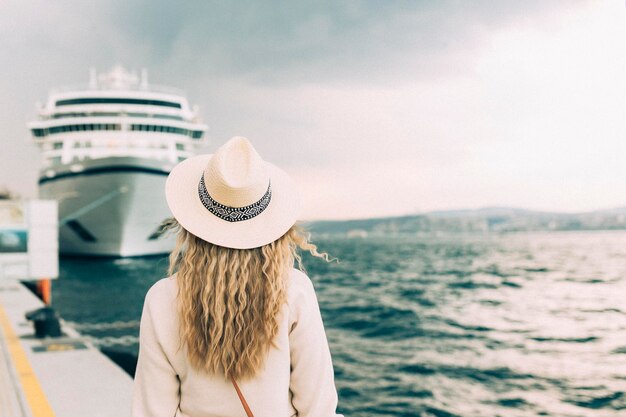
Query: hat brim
[[181, 192]]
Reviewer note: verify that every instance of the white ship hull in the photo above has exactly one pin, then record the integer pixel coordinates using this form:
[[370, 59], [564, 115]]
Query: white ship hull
[[107, 149], [110, 206]]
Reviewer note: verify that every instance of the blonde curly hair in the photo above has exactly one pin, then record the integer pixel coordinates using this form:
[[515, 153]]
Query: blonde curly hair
[[229, 300]]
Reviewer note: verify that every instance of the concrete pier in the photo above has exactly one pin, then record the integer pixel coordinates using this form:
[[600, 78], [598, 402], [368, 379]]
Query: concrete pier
[[63, 377]]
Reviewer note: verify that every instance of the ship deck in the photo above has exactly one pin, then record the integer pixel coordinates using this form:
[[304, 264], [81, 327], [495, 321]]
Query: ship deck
[[49, 377]]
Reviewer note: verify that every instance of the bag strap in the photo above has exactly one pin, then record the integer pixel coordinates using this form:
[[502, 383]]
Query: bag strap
[[241, 398]]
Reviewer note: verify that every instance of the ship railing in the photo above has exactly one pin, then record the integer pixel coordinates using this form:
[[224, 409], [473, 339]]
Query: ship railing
[[76, 155], [151, 88]]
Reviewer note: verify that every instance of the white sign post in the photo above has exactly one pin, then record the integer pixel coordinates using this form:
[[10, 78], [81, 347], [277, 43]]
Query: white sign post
[[29, 240]]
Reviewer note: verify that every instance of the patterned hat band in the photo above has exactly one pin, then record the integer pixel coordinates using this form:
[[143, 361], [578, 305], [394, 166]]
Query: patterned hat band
[[233, 214]]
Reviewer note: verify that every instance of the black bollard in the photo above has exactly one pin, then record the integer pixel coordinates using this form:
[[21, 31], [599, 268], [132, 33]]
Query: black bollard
[[46, 322]]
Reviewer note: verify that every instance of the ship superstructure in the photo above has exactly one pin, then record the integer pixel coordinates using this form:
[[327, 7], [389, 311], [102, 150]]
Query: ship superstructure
[[107, 150]]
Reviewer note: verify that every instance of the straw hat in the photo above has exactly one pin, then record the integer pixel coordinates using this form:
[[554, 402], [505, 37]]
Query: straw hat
[[233, 198]]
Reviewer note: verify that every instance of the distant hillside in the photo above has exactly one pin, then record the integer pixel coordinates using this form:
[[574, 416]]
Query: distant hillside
[[490, 219]]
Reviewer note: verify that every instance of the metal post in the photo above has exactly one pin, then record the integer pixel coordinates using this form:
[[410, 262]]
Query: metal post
[[44, 289]]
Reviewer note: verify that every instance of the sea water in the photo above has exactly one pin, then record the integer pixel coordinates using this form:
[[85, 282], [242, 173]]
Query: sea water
[[525, 324]]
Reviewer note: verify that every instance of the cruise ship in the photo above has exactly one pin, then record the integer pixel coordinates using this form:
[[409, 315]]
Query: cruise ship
[[107, 149]]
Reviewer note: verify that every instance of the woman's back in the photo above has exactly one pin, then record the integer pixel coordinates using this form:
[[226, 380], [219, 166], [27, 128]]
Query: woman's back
[[297, 377]]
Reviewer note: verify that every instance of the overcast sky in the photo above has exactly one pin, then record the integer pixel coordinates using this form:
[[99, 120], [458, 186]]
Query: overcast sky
[[375, 107]]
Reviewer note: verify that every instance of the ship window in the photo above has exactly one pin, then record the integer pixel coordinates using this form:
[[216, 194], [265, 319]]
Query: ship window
[[57, 145], [115, 100], [166, 116], [115, 114], [83, 127], [180, 147], [197, 134], [39, 132], [164, 129], [63, 115]]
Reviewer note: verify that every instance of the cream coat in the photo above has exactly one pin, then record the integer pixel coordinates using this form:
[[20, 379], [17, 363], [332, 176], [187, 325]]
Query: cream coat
[[297, 379]]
